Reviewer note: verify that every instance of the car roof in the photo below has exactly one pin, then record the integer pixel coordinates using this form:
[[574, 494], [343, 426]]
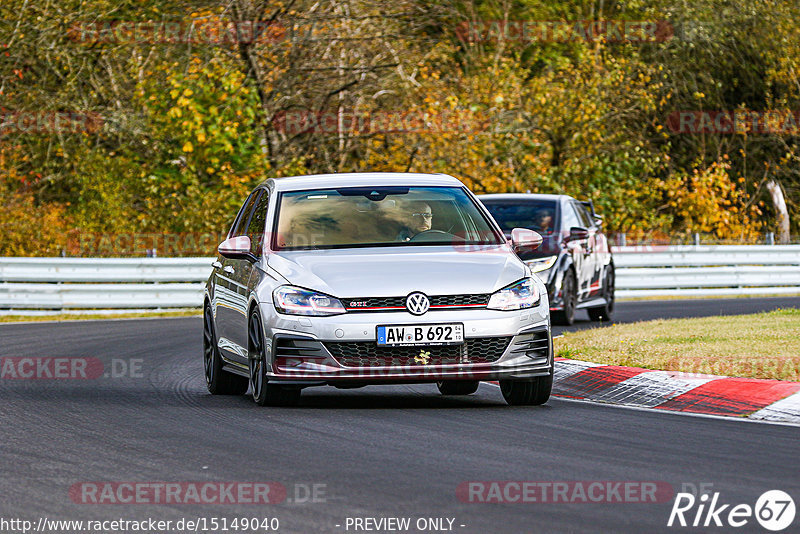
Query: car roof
[[361, 179], [523, 196]]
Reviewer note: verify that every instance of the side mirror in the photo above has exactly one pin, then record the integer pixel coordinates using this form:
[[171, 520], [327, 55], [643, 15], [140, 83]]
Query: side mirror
[[523, 238], [236, 248], [577, 233]]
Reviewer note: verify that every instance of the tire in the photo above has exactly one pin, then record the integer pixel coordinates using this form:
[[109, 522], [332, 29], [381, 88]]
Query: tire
[[264, 393], [458, 387], [606, 312], [566, 316], [527, 392], [218, 381]]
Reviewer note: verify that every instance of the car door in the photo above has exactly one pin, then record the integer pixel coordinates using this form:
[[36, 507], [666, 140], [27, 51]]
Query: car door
[[591, 265], [246, 273], [231, 293], [577, 247]]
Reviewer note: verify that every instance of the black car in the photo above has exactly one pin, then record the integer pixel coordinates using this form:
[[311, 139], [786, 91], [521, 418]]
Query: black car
[[574, 259]]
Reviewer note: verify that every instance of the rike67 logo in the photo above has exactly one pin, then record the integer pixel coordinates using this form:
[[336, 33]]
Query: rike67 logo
[[774, 510]]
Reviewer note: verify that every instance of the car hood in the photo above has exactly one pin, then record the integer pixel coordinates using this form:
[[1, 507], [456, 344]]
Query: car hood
[[394, 271]]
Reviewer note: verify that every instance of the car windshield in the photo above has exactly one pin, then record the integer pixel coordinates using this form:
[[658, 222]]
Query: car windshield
[[535, 214], [380, 216]]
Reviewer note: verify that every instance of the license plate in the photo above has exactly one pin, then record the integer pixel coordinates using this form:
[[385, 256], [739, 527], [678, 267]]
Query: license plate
[[421, 334]]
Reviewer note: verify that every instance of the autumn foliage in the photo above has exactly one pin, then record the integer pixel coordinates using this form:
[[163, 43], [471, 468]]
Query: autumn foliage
[[189, 127]]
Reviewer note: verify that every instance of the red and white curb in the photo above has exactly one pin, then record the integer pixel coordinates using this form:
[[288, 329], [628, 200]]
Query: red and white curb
[[766, 400]]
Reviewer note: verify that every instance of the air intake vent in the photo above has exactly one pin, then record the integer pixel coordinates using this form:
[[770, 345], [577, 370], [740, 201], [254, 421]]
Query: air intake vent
[[534, 344], [297, 347]]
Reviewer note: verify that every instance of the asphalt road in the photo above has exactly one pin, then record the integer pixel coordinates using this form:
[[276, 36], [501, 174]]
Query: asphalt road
[[389, 451]]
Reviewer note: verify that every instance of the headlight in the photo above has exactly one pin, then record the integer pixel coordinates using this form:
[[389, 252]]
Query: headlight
[[297, 301], [517, 296], [541, 264]]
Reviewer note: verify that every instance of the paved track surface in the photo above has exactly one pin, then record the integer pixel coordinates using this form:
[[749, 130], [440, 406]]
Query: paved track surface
[[388, 451]]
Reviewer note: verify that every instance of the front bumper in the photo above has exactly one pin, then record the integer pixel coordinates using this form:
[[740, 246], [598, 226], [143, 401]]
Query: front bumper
[[342, 350]]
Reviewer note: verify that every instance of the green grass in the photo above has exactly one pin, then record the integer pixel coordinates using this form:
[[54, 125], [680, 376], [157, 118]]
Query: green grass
[[95, 316], [762, 345]]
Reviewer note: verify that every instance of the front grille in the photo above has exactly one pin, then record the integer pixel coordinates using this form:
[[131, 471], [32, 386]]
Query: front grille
[[399, 303], [459, 300], [369, 354], [374, 302]]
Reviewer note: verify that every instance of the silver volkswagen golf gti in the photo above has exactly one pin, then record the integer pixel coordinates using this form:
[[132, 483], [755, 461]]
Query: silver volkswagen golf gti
[[373, 278]]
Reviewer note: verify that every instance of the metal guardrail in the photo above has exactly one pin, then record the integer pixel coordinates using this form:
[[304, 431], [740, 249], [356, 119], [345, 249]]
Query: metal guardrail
[[74, 284], [78, 285], [723, 270]]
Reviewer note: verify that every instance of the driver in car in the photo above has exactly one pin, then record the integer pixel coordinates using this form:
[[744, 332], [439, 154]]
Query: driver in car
[[418, 220], [544, 221]]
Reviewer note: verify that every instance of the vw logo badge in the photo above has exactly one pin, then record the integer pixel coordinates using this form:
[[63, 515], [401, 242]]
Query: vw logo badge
[[417, 303]]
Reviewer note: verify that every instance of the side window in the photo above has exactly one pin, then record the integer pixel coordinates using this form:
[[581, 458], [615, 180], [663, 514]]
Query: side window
[[583, 214], [258, 223], [569, 216], [240, 226], [240, 215]]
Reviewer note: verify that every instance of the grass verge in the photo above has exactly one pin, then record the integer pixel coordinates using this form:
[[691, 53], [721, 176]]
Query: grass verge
[[762, 345], [94, 316]]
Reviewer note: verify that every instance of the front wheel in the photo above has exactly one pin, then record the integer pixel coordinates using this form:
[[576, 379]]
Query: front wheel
[[218, 381], [264, 393], [527, 392], [606, 312], [458, 387], [569, 292]]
